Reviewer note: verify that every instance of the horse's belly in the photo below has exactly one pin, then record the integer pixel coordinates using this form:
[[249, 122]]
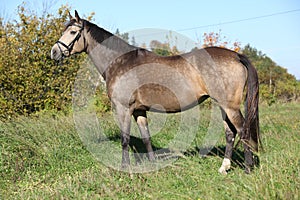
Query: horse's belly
[[162, 99]]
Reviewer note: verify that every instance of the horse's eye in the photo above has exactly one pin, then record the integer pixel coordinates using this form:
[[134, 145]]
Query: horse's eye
[[73, 32]]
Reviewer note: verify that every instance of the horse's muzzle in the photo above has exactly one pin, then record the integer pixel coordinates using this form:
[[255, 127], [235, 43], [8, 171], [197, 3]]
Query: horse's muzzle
[[55, 53]]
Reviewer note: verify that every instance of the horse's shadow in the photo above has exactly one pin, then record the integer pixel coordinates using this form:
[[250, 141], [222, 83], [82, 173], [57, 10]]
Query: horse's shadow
[[237, 160], [140, 152]]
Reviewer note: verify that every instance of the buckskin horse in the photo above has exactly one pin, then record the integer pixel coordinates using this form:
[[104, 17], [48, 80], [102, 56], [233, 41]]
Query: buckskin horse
[[138, 81]]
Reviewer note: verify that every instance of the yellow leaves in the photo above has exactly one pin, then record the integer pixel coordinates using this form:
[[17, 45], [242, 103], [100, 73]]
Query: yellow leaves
[[90, 17], [237, 49]]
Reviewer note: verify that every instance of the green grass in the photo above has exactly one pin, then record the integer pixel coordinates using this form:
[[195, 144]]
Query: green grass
[[43, 158]]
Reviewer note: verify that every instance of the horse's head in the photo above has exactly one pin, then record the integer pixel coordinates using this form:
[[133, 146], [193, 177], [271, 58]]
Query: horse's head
[[72, 40]]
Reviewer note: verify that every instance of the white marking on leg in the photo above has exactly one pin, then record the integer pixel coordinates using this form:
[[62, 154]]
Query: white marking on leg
[[225, 166]]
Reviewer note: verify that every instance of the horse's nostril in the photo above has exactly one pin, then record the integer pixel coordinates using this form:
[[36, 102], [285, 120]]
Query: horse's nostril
[[53, 53]]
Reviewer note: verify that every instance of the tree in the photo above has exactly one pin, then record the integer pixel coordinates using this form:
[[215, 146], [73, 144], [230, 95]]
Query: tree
[[29, 80], [124, 36], [163, 49], [133, 42], [276, 84], [216, 39], [159, 48]]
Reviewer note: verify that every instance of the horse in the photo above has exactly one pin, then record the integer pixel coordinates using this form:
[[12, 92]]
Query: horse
[[138, 81]]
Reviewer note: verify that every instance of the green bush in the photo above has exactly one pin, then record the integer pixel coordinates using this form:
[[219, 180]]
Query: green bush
[[30, 80]]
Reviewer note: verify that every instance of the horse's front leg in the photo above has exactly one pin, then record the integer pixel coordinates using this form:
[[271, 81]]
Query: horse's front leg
[[124, 118]]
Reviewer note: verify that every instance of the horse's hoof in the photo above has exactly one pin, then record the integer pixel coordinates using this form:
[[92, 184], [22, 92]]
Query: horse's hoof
[[247, 170], [124, 166], [151, 157], [222, 170], [225, 166]]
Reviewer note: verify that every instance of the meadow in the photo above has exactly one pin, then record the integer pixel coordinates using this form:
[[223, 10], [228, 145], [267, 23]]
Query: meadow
[[43, 157]]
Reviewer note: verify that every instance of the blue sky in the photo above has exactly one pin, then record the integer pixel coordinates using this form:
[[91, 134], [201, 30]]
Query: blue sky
[[277, 36]]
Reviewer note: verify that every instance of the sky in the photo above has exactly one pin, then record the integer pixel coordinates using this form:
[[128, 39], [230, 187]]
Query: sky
[[271, 26]]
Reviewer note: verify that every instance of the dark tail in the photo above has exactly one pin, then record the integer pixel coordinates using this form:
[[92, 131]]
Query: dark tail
[[251, 125]]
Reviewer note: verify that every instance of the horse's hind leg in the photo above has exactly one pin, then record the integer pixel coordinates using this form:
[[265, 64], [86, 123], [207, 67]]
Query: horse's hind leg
[[233, 123], [230, 133], [141, 119]]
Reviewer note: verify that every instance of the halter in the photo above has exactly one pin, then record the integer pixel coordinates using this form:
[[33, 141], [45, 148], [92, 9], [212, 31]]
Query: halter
[[70, 46]]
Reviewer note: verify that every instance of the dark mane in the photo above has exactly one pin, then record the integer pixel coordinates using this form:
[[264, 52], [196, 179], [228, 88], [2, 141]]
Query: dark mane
[[106, 38], [97, 33]]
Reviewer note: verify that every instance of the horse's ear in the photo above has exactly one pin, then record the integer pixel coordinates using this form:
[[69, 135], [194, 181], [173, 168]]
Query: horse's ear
[[70, 16], [77, 16]]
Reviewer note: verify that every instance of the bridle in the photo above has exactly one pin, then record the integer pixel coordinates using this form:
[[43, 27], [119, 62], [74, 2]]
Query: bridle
[[70, 46]]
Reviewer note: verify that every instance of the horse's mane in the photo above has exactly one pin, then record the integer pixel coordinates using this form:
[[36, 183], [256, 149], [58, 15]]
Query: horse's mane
[[106, 38], [97, 33]]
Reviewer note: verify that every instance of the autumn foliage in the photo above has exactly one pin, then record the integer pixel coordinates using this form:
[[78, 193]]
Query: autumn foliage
[[216, 39], [30, 80]]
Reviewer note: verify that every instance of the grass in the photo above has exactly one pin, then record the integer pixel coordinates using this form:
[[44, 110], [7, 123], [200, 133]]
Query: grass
[[43, 157]]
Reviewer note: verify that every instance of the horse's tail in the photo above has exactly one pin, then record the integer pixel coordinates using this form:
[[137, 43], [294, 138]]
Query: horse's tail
[[251, 125]]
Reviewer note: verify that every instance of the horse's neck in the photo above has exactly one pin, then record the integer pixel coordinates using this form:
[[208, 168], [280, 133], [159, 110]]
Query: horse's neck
[[105, 52]]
